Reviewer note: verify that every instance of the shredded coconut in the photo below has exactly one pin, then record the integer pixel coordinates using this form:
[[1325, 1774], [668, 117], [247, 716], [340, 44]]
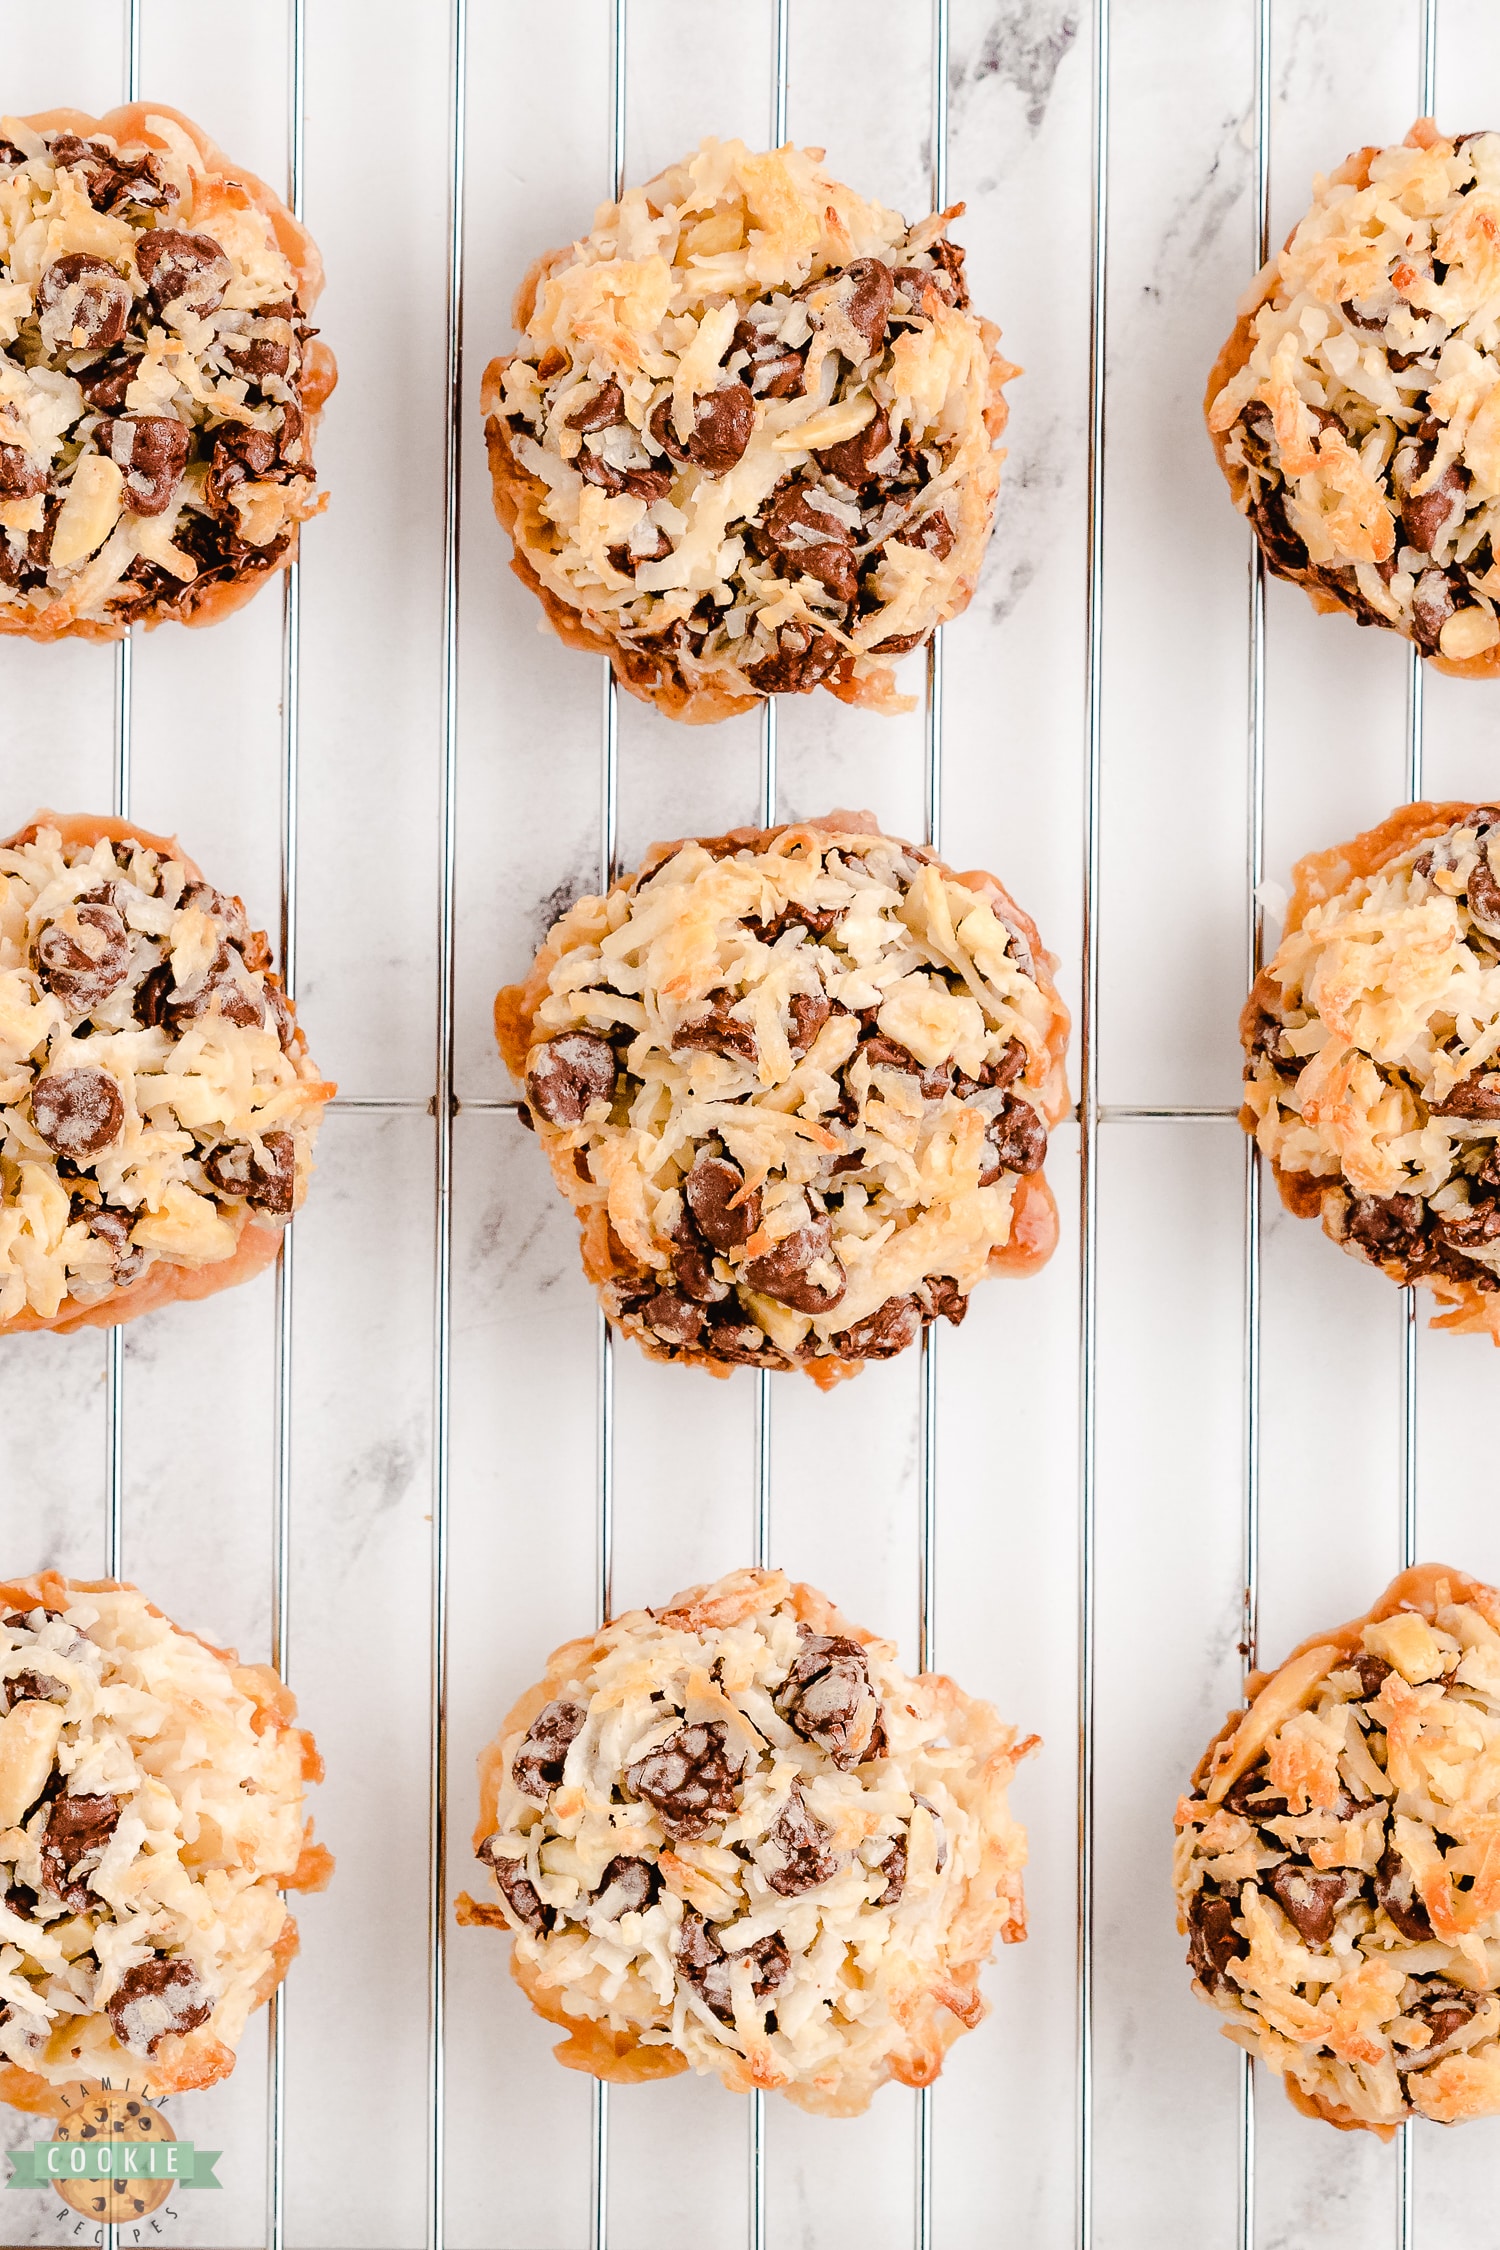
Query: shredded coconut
[[797, 1085], [151, 1813], [731, 1835], [1356, 409], [158, 1107], [1372, 1043], [1338, 1862], [748, 444]]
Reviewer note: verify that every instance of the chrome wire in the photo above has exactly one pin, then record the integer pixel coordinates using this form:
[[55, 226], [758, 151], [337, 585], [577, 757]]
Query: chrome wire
[[1088, 1308], [1255, 834], [281, 1527], [933, 825], [437, 1868], [609, 779], [1406, 2229]]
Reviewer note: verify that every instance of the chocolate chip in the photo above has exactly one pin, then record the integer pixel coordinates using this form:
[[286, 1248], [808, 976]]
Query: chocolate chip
[[868, 306], [919, 282], [569, 1074], [1427, 519], [827, 1697], [1396, 1892], [628, 560], [933, 532], [111, 179], [775, 370], [78, 1829], [105, 386], [83, 964], [238, 454], [1213, 1940], [853, 462], [537, 1766], [84, 304], [810, 540], [1438, 593], [800, 661], [153, 997], [1484, 892], [689, 1781], [709, 1193], [637, 1882], [1386, 1227], [718, 1032], [804, 1843], [1252, 1798], [702, 1962], [190, 270], [695, 1277], [737, 1341], [221, 990], [152, 449], [1444, 2009], [1312, 1902], [77, 1112], [1472, 1226], [517, 1889], [816, 921], [32, 1686], [157, 1998], [722, 423], [1373, 1673], [602, 412], [20, 478], [673, 1316], [945, 1297], [950, 258], [883, 1333], [257, 357], [809, 1012], [1471, 1097], [113, 1227], [782, 1271], [265, 1178], [1015, 1141], [893, 1868]]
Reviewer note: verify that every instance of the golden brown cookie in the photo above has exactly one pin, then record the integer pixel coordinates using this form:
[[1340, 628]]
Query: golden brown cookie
[[732, 1835], [158, 1106], [747, 446], [797, 1085], [159, 383], [1370, 1078], [151, 1814], [1338, 1862]]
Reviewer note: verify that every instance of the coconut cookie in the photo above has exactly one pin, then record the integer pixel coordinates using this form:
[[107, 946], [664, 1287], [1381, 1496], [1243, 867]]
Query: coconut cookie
[[731, 1835], [797, 1084], [150, 1816], [159, 388], [158, 1105], [1370, 1063], [1355, 409], [1338, 1862], [747, 446]]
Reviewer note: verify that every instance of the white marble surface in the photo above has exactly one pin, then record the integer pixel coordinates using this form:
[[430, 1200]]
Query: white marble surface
[[199, 1421]]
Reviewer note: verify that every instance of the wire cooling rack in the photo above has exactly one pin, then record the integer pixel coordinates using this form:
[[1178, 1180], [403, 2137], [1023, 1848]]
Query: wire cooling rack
[[1274, 60]]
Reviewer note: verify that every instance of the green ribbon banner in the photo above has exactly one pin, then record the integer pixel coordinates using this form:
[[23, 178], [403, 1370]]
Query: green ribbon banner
[[50, 2163]]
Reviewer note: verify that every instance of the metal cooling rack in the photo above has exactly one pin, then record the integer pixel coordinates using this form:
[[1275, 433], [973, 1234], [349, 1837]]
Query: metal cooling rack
[[1093, 1116]]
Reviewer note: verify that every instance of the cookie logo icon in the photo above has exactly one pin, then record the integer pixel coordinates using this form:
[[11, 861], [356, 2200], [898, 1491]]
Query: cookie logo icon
[[118, 2118]]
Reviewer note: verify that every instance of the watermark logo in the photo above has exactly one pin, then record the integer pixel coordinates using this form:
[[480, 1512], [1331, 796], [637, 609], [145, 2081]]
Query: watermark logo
[[113, 2157]]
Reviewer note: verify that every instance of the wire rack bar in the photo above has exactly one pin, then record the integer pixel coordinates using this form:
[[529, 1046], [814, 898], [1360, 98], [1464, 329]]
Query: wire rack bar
[[437, 1872], [609, 779], [932, 823], [1088, 1309], [281, 1527], [1255, 833], [1406, 2220]]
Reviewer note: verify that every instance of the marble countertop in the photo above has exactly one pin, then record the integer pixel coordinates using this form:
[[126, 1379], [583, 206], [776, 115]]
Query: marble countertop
[[200, 1399]]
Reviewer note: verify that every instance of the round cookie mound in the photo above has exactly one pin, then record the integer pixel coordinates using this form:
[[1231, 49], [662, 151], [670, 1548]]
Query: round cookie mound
[[1370, 1071], [796, 1083], [1337, 1869], [158, 1106], [151, 1812], [1355, 409], [158, 383], [731, 1835], [748, 444]]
